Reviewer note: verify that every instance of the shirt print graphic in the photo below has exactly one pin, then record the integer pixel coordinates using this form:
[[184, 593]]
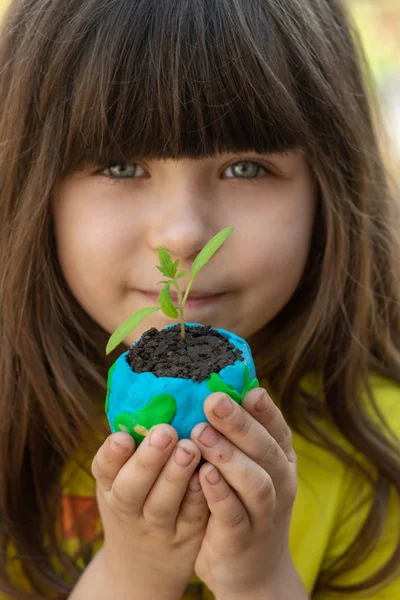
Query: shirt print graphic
[[79, 517]]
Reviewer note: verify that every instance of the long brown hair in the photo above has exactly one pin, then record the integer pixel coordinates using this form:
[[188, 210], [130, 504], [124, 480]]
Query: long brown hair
[[97, 82]]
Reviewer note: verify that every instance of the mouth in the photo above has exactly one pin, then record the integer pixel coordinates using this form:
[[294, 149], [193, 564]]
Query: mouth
[[195, 299]]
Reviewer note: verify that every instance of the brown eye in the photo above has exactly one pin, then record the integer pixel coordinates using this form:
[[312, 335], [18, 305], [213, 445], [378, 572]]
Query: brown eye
[[122, 171], [245, 169]]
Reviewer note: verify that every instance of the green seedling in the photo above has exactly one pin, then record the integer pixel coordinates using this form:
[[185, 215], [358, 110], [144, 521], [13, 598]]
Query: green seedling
[[172, 275]]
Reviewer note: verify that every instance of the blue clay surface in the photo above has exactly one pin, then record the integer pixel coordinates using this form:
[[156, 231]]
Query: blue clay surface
[[128, 391]]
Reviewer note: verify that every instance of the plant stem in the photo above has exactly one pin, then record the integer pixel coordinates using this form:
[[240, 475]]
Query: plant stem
[[181, 306], [187, 292]]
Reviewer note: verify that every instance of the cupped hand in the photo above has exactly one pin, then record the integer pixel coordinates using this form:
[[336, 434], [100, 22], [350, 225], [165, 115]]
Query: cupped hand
[[250, 483], [153, 510]]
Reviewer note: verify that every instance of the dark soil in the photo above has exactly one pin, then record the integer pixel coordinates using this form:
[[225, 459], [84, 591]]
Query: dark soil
[[165, 354]]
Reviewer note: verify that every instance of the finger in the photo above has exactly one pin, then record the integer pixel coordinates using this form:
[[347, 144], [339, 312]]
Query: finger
[[224, 505], [247, 434], [110, 458], [260, 405], [164, 499], [136, 478], [194, 512], [250, 481]]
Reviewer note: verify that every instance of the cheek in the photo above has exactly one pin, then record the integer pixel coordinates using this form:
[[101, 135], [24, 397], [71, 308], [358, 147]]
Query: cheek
[[90, 246], [281, 246], [81, 244]]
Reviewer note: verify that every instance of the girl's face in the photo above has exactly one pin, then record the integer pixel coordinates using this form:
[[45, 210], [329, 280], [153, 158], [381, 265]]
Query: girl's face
[[109, 223]]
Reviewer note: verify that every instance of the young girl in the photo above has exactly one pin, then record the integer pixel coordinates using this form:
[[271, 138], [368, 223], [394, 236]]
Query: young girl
[[132, 124]]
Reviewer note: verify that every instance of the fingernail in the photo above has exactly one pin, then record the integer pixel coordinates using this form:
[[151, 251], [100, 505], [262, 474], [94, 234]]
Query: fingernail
[[183, 457], [213, 476], [121, 441], [224, 408], [208, 437], [159, 439], [262, 403]]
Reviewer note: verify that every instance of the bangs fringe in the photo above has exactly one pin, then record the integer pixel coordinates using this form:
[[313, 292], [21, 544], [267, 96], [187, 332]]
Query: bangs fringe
[[175, 83]]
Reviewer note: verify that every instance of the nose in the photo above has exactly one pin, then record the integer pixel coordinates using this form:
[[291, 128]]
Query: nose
[[181, 223]]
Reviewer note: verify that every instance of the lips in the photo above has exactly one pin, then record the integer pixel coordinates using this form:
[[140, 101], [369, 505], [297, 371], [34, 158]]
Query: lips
[[192, 295], [196, 302]]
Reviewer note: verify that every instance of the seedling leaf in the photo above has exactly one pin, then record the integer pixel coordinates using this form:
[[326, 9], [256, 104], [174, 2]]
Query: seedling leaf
[[167, 267], [180, 274], [209, 250], [128, 326], [165, 302], [175, 267]]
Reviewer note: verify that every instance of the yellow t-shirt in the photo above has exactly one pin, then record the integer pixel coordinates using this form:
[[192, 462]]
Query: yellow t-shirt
[[330, 507]]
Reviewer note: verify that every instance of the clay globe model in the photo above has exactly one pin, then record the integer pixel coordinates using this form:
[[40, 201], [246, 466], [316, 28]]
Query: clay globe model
[[163, 378]]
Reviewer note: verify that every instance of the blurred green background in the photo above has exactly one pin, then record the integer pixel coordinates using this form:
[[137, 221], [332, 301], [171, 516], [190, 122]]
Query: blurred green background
[[379, 24]]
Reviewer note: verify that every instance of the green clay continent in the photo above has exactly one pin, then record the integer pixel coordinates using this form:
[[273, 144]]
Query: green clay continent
[[160, 409], [215, 383]]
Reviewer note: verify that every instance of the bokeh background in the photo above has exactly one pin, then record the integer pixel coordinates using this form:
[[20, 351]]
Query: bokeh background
[[379, 24]]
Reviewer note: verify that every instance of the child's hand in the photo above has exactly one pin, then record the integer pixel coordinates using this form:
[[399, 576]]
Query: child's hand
[[153, 510], [250, 485]]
